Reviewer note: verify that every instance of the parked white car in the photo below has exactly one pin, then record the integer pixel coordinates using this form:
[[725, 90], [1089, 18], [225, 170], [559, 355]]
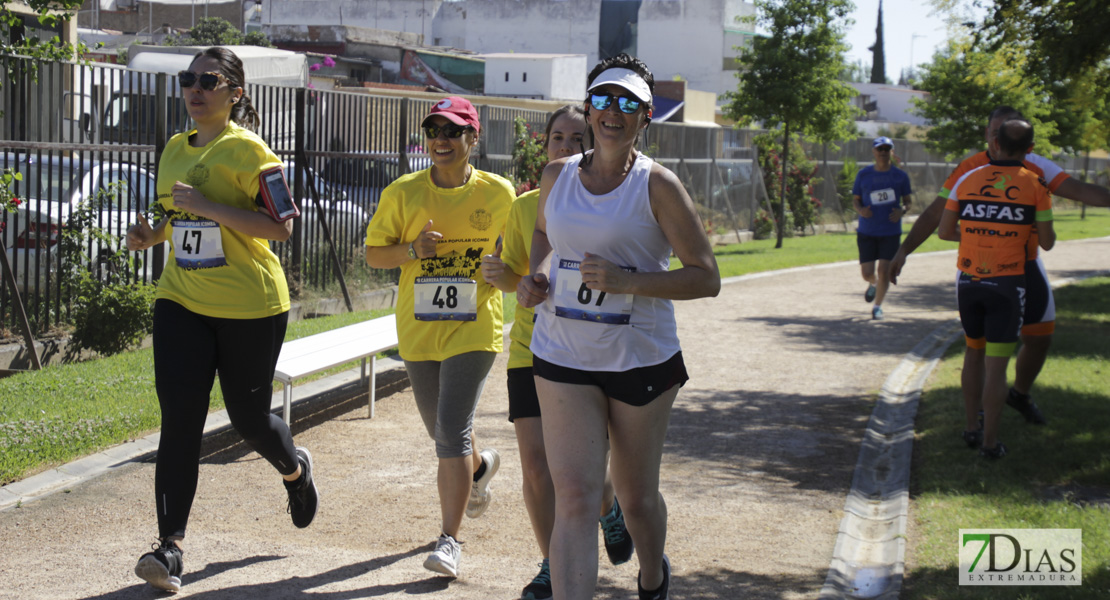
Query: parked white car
[[51, 190]]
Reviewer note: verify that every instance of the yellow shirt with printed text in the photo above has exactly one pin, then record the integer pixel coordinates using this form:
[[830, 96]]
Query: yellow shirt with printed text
[[515, 253], [248, 282], [471, 218]]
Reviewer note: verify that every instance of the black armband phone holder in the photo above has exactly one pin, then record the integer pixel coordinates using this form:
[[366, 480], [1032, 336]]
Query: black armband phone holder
[[274, 195]]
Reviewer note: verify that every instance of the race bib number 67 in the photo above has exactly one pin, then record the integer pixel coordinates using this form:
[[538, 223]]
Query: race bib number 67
[[573, 300]]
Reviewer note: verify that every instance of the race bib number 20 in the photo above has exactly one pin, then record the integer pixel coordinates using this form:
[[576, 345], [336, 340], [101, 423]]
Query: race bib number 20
[[445, 299], [573, 300], [883, 196]]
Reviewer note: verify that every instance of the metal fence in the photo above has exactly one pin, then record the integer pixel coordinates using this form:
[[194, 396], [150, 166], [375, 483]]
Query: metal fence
[[73, 130]]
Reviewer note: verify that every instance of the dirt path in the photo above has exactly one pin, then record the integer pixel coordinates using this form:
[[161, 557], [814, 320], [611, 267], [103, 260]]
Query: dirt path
[[758, 461]]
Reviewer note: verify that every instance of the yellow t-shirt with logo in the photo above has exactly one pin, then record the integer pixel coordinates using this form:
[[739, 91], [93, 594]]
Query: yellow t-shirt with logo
[[515, 251], [470, 217], [214, 270]]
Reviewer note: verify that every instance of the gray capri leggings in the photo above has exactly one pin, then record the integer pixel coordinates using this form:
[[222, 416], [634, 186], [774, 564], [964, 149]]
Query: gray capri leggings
[[447, 395]]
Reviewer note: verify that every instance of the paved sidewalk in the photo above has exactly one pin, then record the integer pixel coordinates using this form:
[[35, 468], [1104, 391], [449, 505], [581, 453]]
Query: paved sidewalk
[[763, 443]]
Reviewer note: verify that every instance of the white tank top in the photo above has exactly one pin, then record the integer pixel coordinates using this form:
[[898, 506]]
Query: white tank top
[[584, 329]]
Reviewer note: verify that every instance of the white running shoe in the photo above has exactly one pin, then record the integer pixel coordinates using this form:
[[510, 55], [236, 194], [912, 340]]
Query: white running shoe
[[480, 493], [446, 557]]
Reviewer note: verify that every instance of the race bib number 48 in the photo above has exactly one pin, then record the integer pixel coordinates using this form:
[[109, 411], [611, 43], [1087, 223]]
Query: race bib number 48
[[445, 299], [573, 300], [197, 244]]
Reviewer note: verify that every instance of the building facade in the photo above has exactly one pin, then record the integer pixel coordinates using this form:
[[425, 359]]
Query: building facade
[[691, 40]]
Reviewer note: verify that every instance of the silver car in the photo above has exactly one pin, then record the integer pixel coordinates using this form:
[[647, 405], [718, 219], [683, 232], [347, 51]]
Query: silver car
[[51, 190]]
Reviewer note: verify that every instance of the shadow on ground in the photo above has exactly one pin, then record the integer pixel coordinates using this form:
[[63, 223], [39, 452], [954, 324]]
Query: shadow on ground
[[762, 434]]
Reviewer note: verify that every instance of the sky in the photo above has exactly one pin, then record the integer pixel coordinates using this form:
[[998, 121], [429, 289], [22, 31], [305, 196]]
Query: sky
[[906, 23]]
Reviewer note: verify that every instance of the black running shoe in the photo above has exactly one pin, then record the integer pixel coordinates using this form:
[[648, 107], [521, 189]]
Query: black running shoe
[[869, 295], [303, 498], [664, 589], [540, 588], [1024, 404], [618, 543], [162, 566], [995, 453], [973, 439]]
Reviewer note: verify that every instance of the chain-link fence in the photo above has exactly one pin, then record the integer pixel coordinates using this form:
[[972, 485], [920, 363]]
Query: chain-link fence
[[73, 130]]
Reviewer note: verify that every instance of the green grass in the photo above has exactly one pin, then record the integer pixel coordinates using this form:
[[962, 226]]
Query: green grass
[[952, 488], [64, 412], [55, 415], [761, 255]]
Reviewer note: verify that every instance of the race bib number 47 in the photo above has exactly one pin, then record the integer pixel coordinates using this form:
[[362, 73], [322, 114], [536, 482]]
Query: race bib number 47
[[573, 300], [197, 244], [445, 299]]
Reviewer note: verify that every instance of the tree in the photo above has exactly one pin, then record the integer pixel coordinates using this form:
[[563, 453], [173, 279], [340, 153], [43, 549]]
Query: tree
[[1067, 45], [16, 40], [1048, 58], [791, 76], [856, 72], [1063, 38], [965, 85], [214, 31], [878, 56]]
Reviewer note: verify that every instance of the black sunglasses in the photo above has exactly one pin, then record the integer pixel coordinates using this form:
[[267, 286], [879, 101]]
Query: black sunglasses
[[884, 148], [208, 81], [626, 104], [451, 130]]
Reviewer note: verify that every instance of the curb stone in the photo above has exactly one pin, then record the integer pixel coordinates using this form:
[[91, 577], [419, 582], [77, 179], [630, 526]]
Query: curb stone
[[869, 556]]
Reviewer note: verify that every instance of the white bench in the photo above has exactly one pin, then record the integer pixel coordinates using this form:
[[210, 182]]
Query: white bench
[[305, 356]]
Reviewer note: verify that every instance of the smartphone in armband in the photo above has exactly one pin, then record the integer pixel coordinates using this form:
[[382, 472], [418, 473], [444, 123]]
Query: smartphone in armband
[[275, 194]]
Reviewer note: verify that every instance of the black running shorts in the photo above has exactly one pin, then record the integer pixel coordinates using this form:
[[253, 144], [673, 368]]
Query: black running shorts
[[637, 387]]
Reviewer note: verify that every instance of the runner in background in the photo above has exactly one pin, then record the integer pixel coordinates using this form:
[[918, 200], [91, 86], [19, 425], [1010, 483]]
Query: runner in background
[[1040, 308], [222, 303], [436, 224], [992, 212], [882, 196], [607, 360], [503, 270]]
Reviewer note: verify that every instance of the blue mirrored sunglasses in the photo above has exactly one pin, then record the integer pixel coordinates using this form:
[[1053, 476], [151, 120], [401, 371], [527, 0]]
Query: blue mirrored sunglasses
[[626, 104]]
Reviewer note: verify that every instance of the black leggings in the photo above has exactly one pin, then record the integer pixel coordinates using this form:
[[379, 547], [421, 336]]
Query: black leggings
[[189, 349]]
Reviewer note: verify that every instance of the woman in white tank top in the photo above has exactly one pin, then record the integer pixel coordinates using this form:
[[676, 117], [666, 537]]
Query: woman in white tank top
[[607, 358]]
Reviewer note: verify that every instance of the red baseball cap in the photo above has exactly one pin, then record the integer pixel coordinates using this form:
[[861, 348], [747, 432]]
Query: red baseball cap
[[457, 110]]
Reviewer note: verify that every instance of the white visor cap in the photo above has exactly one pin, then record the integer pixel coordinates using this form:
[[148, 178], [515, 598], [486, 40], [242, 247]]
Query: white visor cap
[[625, 78]]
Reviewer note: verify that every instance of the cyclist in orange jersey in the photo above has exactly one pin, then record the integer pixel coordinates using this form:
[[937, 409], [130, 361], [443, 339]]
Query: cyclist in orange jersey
[[1039, 319], [992, 211]]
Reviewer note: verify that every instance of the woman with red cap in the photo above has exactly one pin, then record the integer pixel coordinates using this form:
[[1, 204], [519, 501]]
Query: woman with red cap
[[607, 360], [435, 225]]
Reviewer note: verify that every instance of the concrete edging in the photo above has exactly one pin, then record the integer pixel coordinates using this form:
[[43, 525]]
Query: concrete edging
[[870, 551]]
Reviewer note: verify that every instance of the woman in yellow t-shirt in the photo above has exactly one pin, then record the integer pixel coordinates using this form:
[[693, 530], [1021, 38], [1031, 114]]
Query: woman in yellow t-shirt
[[222, 304], [503, 270], [436, 224]]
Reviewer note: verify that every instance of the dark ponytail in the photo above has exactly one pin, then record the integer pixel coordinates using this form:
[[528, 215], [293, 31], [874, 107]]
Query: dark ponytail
[[243, 112]]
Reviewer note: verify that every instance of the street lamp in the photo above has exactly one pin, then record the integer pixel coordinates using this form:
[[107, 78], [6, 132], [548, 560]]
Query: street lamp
[[913, 67]]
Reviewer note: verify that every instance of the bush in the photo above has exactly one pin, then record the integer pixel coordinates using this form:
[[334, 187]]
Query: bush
[[801, 204], [763, 226], [110, 318], [110, 310], [529, 157]]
